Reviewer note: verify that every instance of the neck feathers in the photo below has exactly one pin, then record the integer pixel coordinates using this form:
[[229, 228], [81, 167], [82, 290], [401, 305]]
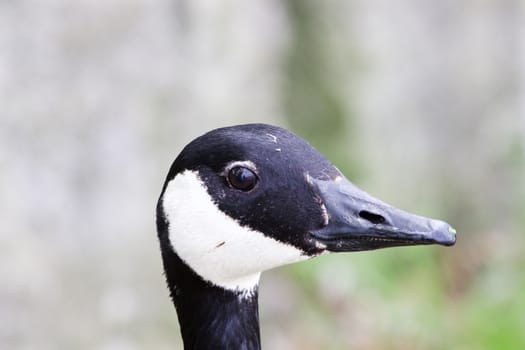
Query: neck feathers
[[218, 319], [210, 317]]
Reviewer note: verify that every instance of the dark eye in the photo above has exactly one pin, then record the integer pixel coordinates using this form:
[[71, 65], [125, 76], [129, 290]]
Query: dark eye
[[242, 178]]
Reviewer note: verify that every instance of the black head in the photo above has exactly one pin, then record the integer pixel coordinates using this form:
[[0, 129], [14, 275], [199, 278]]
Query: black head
[[241, 199], [279, 201]]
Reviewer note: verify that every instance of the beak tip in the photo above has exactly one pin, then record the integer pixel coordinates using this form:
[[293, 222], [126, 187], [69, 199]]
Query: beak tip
[[444, 234]]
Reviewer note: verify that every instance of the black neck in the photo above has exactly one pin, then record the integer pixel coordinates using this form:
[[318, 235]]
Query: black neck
[[210, 317]]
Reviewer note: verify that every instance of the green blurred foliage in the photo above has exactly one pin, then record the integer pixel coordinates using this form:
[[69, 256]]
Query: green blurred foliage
[[467, 297], [310, 88]]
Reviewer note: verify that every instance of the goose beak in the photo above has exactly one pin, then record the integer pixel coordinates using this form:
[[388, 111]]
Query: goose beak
[[358, 221]]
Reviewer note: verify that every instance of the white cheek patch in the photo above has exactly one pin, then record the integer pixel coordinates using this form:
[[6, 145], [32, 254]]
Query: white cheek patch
[[213, 244]]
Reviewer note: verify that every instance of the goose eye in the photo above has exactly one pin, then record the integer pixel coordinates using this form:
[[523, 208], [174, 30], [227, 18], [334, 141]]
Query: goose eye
[[242, 178]]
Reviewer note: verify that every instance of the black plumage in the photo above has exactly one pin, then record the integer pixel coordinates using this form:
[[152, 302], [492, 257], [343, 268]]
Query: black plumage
[[295, 197]]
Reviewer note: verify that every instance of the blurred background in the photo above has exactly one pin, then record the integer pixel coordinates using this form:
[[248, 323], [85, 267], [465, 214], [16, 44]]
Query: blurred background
[[420, 103]]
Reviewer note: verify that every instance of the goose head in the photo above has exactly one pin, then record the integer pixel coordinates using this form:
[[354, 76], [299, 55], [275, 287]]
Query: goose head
[[244, 199]]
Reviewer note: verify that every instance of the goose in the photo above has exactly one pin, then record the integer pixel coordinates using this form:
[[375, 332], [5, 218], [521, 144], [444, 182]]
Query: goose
[[244, 199]]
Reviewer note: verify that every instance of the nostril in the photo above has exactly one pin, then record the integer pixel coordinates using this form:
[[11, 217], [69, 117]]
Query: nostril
[[373, 218]]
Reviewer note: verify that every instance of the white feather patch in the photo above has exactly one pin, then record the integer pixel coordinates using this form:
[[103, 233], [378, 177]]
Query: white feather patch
[[213, 244]]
